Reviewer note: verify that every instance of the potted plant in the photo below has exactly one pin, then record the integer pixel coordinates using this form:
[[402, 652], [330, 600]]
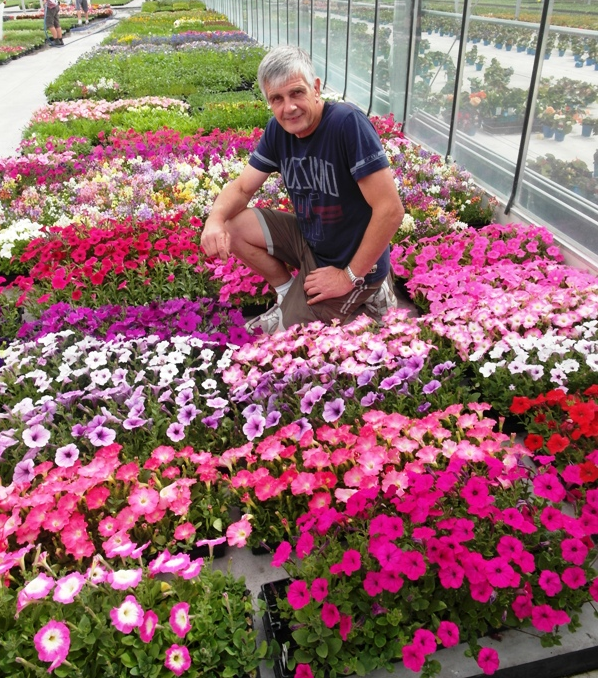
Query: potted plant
[[589, 126], [562, 428], [479, 63], [176, 616], [383, 576]]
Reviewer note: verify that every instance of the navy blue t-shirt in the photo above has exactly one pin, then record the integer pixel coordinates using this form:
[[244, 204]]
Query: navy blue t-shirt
[[320, 173]]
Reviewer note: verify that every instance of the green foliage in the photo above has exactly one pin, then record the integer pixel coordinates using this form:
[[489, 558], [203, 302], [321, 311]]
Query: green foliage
[[221, 641], [243, 115], [174, 74]]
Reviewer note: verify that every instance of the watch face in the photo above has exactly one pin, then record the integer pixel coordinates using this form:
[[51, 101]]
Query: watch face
[[358, 282]]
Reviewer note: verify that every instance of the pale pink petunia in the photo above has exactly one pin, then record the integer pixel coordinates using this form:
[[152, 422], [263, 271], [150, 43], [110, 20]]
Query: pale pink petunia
[[238, 532]]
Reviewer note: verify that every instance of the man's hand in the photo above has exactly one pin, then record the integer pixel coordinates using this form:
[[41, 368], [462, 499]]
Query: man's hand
[[326, 283], [215, 240]]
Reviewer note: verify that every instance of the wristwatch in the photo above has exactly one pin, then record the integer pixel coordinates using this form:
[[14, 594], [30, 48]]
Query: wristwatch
[[356, 280]]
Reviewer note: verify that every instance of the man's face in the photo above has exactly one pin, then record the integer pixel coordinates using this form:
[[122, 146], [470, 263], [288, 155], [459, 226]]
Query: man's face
[[297, 107]]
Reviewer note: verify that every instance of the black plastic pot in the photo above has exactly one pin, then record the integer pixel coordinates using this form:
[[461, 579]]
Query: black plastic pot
[[275, 627]]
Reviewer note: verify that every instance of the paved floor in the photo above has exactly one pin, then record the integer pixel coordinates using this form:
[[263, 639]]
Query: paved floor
[[22, 84]]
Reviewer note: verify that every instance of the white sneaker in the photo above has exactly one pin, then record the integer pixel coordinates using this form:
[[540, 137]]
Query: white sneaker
[[269, 322], [79, 22], [382, 300]]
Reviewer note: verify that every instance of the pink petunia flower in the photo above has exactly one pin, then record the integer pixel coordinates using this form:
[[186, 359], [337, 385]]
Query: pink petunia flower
[[282, 553], [128, 615], [184, 531], [238, 532], [68, 587], [425, 641], [178, 659], [345, 626], [179, 619], [330, 615], [413, 658], [303, 671], [319, 589], [298, 595], [448, 633], [550, 582], [488, 660], [124, 579], [39, 587], [148, 626], [522, 607], [574, 551], [52, 643]]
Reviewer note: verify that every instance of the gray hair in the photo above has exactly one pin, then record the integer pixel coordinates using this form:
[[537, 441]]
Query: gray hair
[[281, 64]]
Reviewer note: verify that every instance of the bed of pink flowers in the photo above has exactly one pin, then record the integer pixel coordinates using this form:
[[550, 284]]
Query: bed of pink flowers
[[364, 454]]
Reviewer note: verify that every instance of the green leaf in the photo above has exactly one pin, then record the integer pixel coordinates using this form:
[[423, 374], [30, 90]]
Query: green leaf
[[334, 645], [322, 650], [127, 660], [302, 637]]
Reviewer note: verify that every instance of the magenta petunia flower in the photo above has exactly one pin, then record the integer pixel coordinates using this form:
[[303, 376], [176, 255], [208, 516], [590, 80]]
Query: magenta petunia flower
[[488, 660], [574, 551], [372, 583], [351, 562], [413, 565], [52, 643], [179, 619], [177, 659], [574, 577], [522, 607], [319, 589], [550, 582], [304, 546], [545, 618], [413, 657], [345, 626], [330, 615], [282, 553], [148, 626], [499, 572], [448, 633], [298, 595], [451, 575], [425, 641], [548, 486], [303, 671]]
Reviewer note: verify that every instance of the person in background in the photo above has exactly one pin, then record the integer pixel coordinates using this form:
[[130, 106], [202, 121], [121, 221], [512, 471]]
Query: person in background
[[52, 21], [82, 6], [346, 205]]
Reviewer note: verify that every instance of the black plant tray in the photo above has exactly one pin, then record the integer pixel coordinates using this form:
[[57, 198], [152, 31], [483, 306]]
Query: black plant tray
[[276, 628]]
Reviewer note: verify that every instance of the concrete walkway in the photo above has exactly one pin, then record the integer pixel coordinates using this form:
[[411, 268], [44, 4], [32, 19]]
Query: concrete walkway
[[23, 81]]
